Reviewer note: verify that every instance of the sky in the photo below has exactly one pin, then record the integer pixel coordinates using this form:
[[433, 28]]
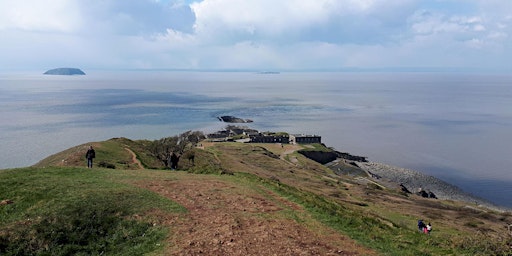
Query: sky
[[256, 34]]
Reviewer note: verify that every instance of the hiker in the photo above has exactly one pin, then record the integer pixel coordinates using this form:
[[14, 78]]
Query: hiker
[[89, 156], [421, 226], [174, 161], [429, 228]]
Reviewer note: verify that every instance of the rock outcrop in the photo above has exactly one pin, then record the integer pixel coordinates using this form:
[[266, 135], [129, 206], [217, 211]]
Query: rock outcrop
[[351, 157]]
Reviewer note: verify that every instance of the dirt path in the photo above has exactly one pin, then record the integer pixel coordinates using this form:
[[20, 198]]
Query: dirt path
[[226, 218], [290, 149], [134, 159]]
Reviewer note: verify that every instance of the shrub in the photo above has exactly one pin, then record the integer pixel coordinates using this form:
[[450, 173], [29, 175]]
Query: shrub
[[104, 164]]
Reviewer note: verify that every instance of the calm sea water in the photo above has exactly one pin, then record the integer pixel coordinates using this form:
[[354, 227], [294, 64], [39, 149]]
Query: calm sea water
[[454, 126]]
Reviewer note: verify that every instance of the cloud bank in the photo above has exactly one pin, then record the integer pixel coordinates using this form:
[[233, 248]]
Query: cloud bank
[[256, 34]]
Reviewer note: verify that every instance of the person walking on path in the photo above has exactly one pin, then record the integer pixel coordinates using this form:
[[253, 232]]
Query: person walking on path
[[90, 155], [429, 228], [421, 226]]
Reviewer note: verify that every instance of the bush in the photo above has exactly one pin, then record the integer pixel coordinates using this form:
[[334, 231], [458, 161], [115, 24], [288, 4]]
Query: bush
[[104, 164]]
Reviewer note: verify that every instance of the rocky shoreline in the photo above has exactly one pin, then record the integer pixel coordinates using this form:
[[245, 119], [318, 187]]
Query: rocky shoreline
[[415, 181]]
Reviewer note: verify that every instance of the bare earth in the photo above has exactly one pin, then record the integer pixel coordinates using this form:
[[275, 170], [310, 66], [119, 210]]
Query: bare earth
[[135, 161], [225, 218]]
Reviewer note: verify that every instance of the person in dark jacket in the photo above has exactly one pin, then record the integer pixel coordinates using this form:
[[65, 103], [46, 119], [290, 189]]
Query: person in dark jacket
[[90, 155], [174, 161], [421, 225]]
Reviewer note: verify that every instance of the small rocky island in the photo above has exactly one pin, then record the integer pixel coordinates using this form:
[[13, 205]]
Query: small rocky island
[[64, 71], [233, 119]]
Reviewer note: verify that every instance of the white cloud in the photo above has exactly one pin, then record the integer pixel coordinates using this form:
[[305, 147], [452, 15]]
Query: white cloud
[[478, 38], [259, 34], [268, 17], [35, 15], [425, 22], [176, 38], [305, 20]]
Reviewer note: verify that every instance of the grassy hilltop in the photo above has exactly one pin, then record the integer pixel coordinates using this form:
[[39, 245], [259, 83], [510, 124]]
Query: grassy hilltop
[[233, 199]]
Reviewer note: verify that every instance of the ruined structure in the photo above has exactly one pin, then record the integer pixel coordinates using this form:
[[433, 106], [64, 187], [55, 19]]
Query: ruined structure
[[304, 139]]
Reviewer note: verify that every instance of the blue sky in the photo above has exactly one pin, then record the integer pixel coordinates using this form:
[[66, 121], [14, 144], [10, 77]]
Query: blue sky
[[256, 34]]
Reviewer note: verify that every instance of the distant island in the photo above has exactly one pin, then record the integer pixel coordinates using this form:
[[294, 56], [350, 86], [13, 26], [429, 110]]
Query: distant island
[[269, 72], [64, 71], [233, 119]]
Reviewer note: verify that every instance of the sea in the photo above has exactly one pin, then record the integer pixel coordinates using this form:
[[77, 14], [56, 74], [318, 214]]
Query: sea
[[455, 126]]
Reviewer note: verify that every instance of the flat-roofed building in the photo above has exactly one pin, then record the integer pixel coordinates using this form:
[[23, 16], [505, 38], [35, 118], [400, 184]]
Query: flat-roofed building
[[305, 139]]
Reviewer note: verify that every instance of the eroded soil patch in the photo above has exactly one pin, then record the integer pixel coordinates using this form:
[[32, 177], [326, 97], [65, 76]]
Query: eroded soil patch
[[226, 218]]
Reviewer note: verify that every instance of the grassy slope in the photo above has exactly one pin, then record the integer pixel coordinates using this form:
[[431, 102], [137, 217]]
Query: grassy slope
[[67, 210], [65, 198]]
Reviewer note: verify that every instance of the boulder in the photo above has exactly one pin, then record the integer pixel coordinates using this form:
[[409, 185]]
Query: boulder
[[426, 194], [404, 189]]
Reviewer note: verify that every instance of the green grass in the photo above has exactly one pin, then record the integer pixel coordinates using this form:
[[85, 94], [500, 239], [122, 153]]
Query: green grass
[[110, 152], [139, 147], [384, 236], [76, 211], [316, 147]]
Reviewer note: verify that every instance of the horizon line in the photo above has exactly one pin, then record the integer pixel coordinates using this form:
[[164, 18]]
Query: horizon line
[[294, 70]]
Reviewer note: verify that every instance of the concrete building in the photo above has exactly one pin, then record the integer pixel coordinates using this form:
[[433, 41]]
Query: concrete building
[[305, 139], [270, 138]]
